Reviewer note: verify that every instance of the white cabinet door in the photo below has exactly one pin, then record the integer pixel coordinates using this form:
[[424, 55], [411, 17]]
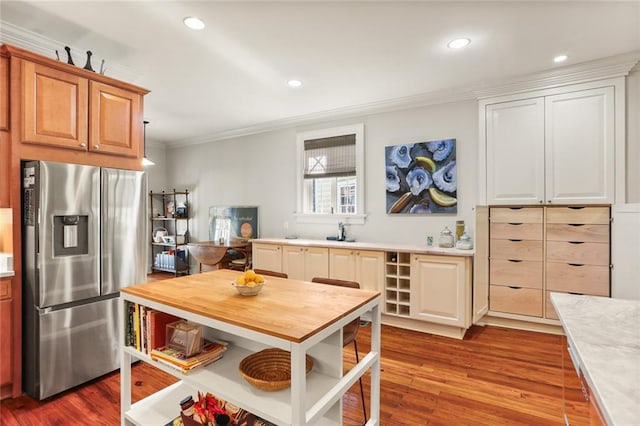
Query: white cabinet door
[[370, 269], [293, 259], [267, 256], [579, 143], [342, 264], [304, 263], [316, 263], [515, 152], [440, 290]]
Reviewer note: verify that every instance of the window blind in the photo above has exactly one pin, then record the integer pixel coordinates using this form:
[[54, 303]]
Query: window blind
[[330, 157]]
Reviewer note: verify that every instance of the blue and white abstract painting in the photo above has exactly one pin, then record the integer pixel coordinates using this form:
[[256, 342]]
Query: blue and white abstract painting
[[421, 177]]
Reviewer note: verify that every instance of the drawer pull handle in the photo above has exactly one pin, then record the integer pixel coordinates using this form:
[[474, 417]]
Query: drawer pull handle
[[576, 242], [576, 207], [577, 294], [576, 264], [514, 260], [516, 241], [514, 287], [515, 208], [576, 224], [515, 223]]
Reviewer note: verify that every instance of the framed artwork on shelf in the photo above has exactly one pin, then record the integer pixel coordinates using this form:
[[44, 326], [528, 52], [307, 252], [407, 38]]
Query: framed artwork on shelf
[[421, 178]]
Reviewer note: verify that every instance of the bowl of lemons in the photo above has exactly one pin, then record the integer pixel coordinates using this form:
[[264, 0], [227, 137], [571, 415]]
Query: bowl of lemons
[[249, 283]]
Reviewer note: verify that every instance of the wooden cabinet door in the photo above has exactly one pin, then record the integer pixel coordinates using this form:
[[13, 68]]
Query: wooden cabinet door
[[267, 256], [440, 290], [579, 147], [6, 337], [316, 263], [116, 121], [369, 269], [55, 107], [515, 152], [342, 264]]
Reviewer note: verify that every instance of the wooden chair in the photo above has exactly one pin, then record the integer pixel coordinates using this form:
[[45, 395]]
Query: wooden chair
[[271, 273], [242, 259], [350, 330]]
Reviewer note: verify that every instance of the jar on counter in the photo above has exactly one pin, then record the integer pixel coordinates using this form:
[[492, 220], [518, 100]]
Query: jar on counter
[[459, 229], [464, 243], [446, 238]]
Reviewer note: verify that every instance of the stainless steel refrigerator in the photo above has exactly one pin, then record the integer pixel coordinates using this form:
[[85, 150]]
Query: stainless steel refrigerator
[[83, 239]]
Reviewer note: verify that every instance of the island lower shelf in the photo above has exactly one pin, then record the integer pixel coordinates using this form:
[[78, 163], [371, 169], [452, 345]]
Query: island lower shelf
[[229, 385]]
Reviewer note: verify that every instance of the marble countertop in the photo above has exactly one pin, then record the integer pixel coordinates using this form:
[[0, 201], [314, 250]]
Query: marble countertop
[[605, 336], [358, 245], [7, 274]]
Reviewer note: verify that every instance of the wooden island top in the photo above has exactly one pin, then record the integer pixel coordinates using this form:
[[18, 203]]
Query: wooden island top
[[285, 308]]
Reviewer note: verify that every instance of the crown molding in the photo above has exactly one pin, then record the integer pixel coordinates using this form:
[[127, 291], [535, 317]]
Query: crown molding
[[389, 105], [37, 43], [610, 67]]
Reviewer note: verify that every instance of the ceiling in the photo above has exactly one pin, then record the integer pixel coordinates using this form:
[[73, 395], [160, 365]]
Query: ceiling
[[230, 78]]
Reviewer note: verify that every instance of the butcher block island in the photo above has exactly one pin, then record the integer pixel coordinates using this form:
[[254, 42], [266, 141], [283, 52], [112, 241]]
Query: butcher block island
[[300, 317]]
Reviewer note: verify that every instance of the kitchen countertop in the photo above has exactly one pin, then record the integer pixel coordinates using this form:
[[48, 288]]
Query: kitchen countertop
[[7, 274], [605, 336], [357, 245]]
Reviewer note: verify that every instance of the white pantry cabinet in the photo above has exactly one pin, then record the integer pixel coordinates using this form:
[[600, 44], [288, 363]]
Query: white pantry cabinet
[[305, 263], [363, 266], [554, 146], [440, 289]]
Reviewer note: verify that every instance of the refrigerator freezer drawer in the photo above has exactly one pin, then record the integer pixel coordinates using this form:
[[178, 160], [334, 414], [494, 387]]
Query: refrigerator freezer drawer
[[76, 345]]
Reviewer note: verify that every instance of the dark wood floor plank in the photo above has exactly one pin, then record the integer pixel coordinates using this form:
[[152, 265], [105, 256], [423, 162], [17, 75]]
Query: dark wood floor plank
[[495, 376]]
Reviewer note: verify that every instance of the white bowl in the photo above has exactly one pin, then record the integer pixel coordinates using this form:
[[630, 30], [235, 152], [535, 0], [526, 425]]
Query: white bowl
[[246, 290]]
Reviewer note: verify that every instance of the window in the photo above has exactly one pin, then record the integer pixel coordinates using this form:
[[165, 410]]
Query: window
[[331, 170]]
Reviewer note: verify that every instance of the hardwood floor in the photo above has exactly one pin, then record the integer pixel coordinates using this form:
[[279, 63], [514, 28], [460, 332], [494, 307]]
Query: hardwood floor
[[495, 376]]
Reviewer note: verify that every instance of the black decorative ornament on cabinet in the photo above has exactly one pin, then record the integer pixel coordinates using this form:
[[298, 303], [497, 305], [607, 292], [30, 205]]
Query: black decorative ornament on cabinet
[[170, 231]]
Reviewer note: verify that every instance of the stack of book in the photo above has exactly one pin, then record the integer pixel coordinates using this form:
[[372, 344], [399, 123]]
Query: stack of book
[[211, 352]]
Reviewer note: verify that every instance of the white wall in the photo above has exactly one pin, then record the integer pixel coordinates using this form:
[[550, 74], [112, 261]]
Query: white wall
[[260, 170], [633, 136]]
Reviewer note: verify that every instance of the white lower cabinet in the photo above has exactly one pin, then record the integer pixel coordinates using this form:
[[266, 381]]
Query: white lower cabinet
[[441, 289], [267, 256], [363, 266], [305, 263]]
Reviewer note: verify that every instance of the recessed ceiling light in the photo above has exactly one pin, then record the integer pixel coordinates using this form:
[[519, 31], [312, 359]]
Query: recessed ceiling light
[[458, 43], [560, 58], [294, 83], [193, 23]]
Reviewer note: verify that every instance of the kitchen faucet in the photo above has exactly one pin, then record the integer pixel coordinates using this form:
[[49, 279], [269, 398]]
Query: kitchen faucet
[[342, 235]]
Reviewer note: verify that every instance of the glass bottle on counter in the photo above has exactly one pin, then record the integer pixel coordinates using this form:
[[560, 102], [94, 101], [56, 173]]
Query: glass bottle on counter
[[446, 238]]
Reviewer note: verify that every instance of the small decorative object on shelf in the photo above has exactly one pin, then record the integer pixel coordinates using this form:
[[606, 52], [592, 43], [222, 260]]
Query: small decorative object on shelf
[[270, 369], [87, 66], [69, 58], [446, 238]]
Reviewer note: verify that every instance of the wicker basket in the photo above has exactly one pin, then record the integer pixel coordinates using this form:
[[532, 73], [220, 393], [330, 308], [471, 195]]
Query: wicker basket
[[270, 369]]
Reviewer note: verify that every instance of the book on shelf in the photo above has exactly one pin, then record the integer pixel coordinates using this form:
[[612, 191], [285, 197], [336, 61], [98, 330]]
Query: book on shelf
[[188, 369], [210, 350], [156, 328]]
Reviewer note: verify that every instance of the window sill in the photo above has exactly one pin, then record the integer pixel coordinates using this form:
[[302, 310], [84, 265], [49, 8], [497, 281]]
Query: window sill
[[347, 219]]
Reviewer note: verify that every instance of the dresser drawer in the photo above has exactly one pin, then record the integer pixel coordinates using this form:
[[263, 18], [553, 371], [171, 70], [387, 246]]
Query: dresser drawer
[[521, 301], [578, 232], [516, 214], [519, 273], [578, 252], [584, 215], [576, 278], [516, 249], [516, 231]]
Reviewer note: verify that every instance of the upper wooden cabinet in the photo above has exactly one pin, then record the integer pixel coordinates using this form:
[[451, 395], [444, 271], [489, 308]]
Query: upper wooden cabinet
[[55, 107], [68, 114], [550, 147]]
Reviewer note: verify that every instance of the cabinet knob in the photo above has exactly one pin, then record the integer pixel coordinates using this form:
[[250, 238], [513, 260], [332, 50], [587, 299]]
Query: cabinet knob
[[541, 201], [96, 147], [83, 145]]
